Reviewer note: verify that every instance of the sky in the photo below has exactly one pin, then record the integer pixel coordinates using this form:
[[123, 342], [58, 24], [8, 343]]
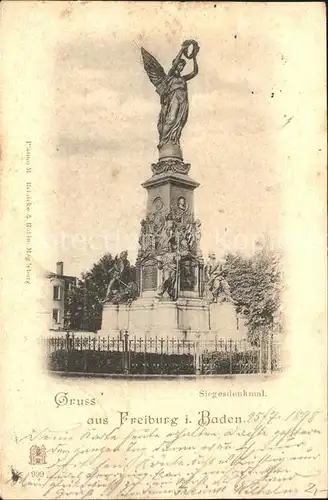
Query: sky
[[243, 105]]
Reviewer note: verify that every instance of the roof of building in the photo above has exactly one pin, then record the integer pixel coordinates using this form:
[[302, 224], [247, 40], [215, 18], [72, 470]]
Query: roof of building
[[49, 275]]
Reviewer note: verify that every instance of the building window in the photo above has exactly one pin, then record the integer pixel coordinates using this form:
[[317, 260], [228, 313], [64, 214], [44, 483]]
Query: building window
[[57, 294], [55, 315]]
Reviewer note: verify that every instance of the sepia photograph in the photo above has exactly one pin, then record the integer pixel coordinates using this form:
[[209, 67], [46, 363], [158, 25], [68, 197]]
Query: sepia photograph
[[165, 275], [163, 295]]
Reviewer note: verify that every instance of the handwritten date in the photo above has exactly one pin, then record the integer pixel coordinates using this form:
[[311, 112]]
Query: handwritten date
[[267, 455]]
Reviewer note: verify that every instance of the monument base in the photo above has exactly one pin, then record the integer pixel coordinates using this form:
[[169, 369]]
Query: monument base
[[185, 318], [224, 320], [153, 316]]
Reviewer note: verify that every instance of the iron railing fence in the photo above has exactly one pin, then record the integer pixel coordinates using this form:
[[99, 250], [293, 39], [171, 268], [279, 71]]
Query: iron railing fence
[[128, 354]]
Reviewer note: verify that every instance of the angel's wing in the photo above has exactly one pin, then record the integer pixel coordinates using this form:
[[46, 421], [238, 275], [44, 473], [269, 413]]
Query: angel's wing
[[153, 68]]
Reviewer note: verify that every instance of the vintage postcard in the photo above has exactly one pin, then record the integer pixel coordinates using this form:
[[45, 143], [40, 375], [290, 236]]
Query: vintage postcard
[[163, 258]]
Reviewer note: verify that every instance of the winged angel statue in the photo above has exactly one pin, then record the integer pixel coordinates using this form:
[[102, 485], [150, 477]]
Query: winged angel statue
[[173, 92]]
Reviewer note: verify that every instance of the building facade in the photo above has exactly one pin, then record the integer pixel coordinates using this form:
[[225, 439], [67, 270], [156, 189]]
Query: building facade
[[58, 293]]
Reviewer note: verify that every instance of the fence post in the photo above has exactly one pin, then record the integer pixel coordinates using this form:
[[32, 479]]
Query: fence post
[[126, 353], [198, 361], [162, 342], [67, 352], [145, 353], [85, 361], [261, 353], [230, 356], [269, 343]]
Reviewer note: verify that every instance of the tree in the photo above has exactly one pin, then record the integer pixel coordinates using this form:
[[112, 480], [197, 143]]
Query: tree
[[84, 302], [84, 307], [255, 284]]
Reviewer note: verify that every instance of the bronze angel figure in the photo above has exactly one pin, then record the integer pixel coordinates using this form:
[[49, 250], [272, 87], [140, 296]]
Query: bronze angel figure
[[173, 92]]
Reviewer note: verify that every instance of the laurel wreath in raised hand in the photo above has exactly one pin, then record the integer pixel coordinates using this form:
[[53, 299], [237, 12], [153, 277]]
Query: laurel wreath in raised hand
[[195, 49]]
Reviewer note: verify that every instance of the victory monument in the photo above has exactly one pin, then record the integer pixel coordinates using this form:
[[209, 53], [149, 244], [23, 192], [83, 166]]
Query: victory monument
[[170, 291]]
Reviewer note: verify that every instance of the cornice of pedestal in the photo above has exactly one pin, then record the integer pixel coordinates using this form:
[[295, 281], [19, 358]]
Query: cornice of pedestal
[[171, 177]]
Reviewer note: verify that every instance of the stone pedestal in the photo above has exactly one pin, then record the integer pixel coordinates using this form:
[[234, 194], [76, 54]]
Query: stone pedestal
[[193, 315], [170, 234], [153, 317], [169, 266], [157, 317], [223, 320], [141, 316], [115, 318], [109, 324], [170, 190], [185, 318]]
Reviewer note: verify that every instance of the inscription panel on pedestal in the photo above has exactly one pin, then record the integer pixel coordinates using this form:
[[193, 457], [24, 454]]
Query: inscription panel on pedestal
[[149, 276], [188, 279]]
